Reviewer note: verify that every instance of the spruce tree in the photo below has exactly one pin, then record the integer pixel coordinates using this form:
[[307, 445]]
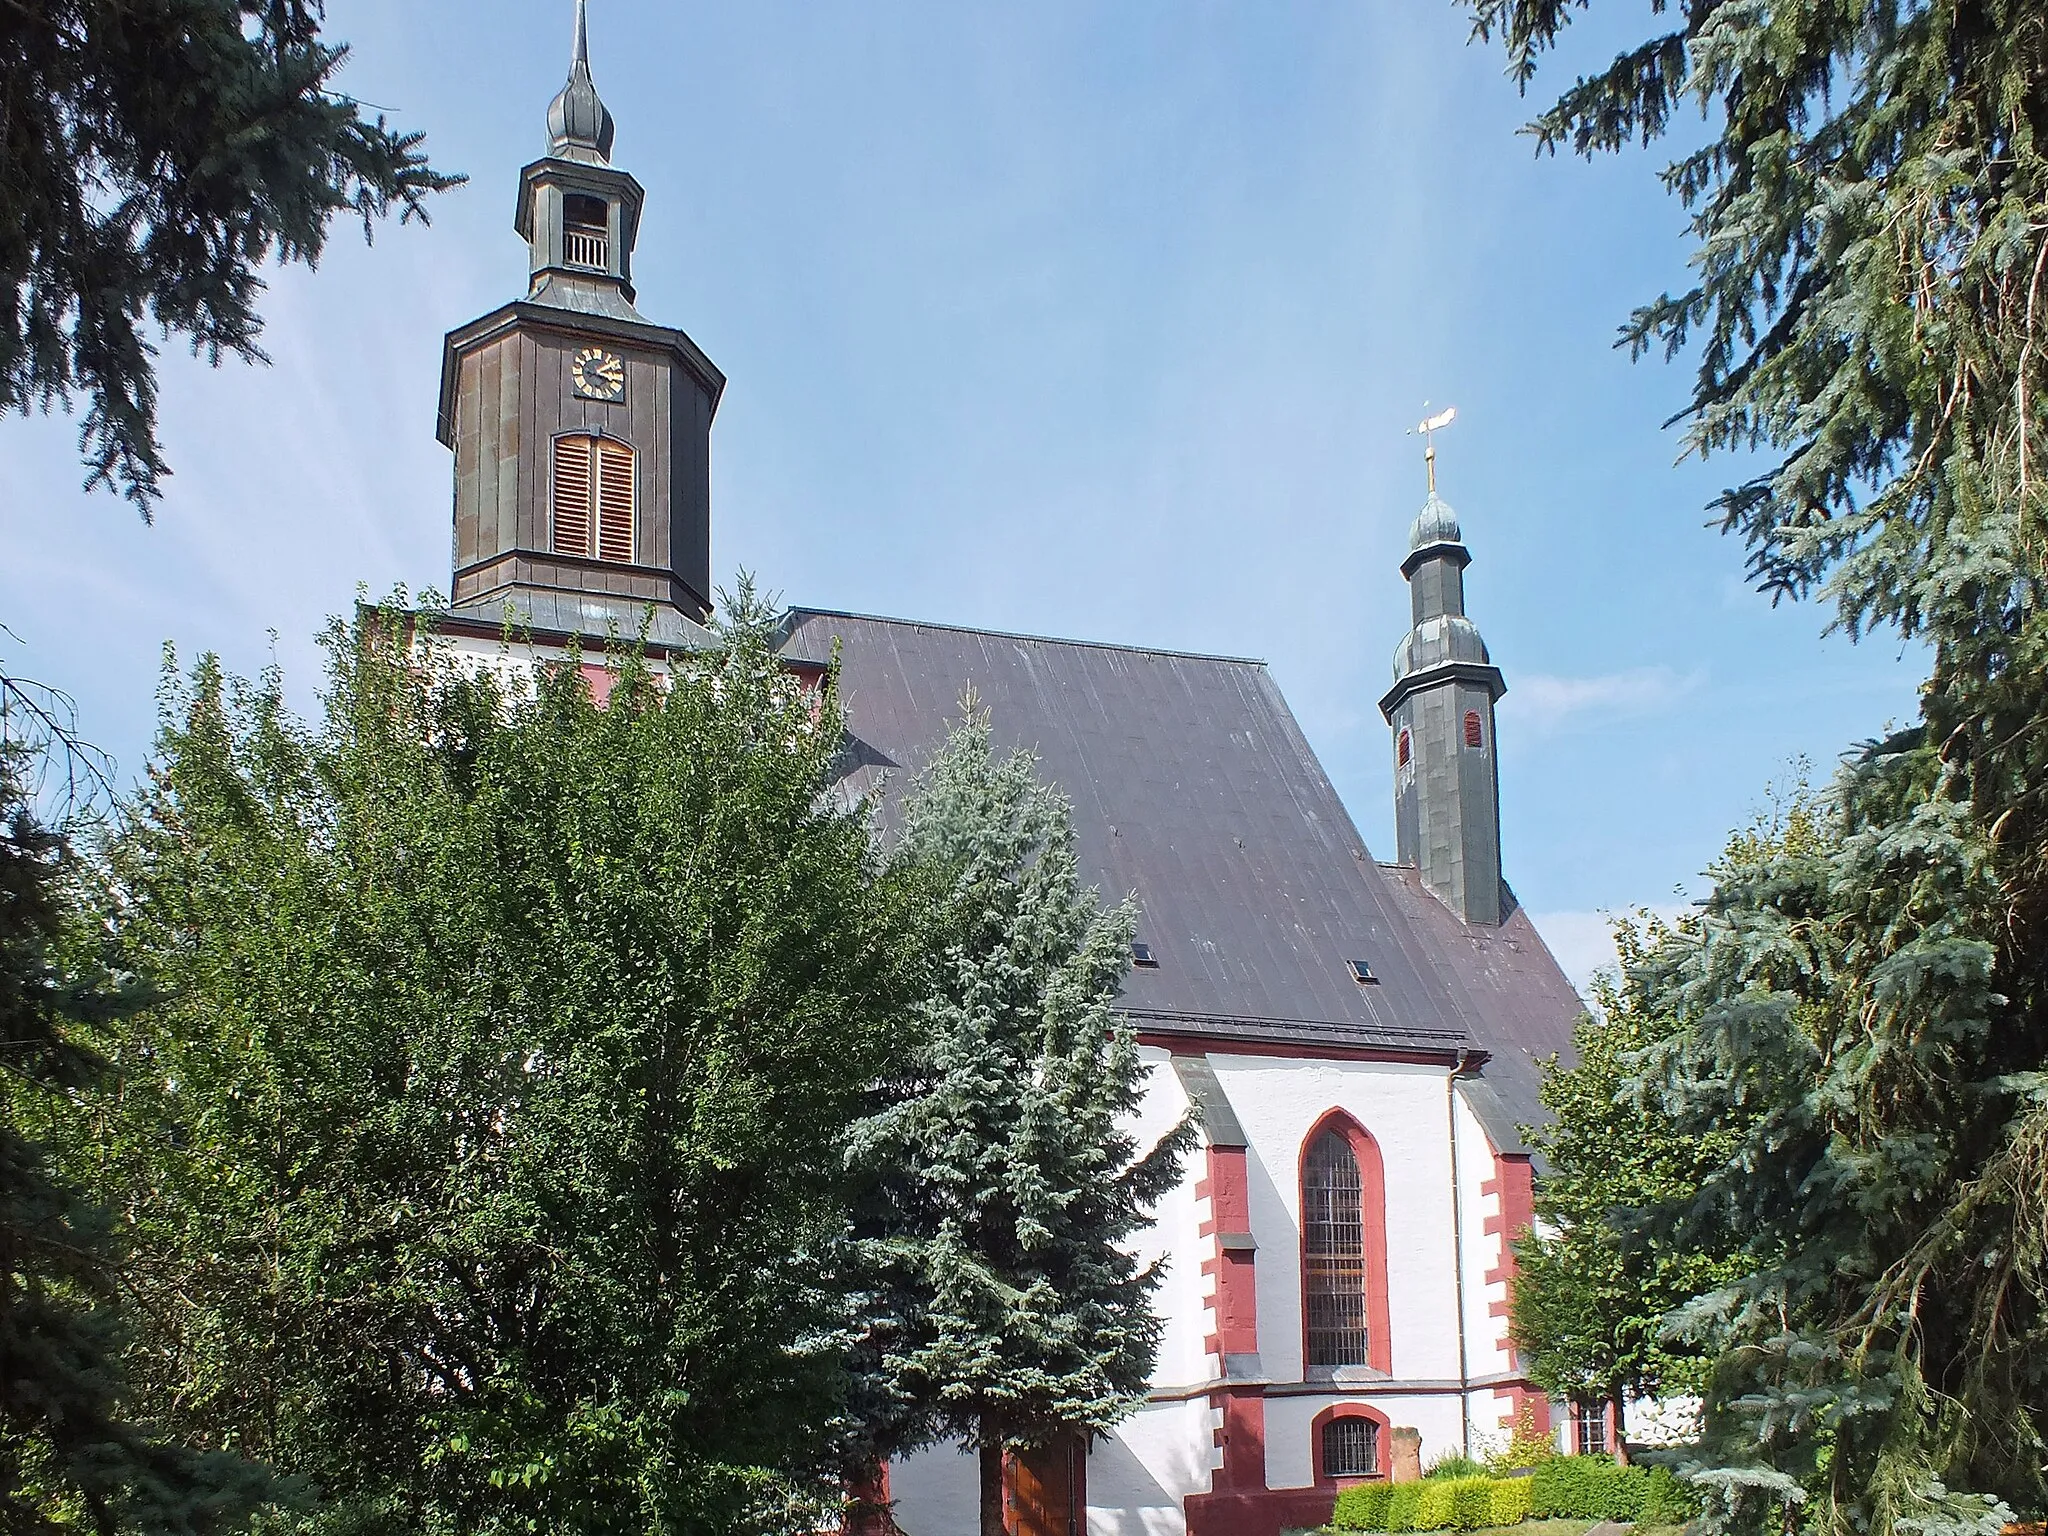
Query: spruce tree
[[1869, 203], [71, 1456], [157, 154], [1011, 1181]]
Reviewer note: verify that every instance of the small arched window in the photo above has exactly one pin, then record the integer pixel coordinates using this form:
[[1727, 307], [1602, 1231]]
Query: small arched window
[[1475, 732], [586, 231], [1402, 748], [592, 505], [1333, 1252], [1351, 1448]]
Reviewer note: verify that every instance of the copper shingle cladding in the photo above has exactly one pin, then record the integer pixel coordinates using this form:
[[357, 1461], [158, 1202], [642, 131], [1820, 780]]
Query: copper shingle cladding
[[1193, 786]]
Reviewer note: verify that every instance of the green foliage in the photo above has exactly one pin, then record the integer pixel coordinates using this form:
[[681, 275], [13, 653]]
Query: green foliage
[[1471, 1502], [1435, 1507], [1870, 208], [1364, 1507], [1594, 1289], [480, 1141], [1527, 1446], [1460, 1503], [1009, 1176], [1403, 1506], [1510, 1502], [70, 1455], [1451, 1464], [159, 153], [1667, 1500], [1587, 1488]]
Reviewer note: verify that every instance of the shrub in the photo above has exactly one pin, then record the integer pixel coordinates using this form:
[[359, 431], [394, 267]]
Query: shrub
[[1436, 1504], [1434, 1507], [1471, 1502], [1668, 1501], [1528, 1447], [1363, 1508], [1587, 1488], [1401, 1502], [1454, 1465], [1510, 1501]]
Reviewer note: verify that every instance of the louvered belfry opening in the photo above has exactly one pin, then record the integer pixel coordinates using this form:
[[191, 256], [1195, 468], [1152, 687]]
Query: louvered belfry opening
[[1351, 1448], [593, 498], [1333, 1242]]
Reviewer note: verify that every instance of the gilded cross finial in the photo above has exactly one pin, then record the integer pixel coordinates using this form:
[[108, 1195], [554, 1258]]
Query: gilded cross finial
[[1429, 428]]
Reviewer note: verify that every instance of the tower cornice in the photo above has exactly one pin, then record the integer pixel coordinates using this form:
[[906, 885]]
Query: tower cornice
[[1478, 673], [567, 322]]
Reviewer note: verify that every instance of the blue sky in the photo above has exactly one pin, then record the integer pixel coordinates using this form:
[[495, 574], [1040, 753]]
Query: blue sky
[[1094, 319]]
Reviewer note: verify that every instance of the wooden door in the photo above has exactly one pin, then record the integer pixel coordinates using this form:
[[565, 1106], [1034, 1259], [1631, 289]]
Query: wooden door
[[1048, 1490]]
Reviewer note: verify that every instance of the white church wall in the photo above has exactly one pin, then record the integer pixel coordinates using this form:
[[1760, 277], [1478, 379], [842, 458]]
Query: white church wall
[[1290, 1425], [1139, 1475], [1183, 1295], [1486, 1336], [1278, 1101]]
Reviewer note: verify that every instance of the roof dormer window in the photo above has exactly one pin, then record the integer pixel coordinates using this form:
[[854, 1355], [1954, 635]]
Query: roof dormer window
[[592, 504], [586, 233]]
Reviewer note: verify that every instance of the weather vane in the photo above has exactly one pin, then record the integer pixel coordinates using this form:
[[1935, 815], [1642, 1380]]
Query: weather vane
[[1429, 429]]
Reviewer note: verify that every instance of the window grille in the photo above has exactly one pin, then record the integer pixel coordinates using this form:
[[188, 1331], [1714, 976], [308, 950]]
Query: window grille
[[1333, 1231], [1351, 1448], [586, 248], [1474, 734], [585, 237], [593, 498], [1589, 1423]]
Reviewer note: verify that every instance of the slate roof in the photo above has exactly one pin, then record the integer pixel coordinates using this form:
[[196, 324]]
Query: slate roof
[[1194, 787]]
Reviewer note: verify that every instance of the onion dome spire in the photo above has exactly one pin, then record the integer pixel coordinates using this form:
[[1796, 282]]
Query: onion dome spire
[[579, 126]]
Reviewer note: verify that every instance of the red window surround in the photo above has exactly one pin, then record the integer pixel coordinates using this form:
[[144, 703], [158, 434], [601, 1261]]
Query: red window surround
[[1350, 1411], [1373, 1208]]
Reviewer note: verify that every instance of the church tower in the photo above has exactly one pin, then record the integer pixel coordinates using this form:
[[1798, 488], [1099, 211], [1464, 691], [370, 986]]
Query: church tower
[[581, 430], [1446, 774]]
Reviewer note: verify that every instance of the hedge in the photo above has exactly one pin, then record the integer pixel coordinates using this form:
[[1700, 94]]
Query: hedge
[[1438, 1504], [1562, 1487]]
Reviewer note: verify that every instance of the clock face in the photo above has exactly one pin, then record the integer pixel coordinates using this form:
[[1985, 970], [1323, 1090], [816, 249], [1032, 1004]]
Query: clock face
[[598, 375]]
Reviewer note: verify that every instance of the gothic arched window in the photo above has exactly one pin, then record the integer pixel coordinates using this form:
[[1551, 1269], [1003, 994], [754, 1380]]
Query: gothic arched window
[[1333, 1252], [1402, 748], [592, 504], [1475, 733]]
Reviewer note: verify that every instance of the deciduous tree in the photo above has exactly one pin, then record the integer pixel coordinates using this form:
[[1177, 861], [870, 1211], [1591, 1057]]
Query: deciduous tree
[[482, 1141], [72, 1454]]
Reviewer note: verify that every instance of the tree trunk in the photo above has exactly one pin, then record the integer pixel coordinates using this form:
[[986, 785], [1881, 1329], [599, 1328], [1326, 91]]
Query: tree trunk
[[992, 1522], [1620, 1426]]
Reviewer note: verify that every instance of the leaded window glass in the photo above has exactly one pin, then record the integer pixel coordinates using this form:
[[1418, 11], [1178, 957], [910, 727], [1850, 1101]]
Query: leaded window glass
[[1333, 1244]]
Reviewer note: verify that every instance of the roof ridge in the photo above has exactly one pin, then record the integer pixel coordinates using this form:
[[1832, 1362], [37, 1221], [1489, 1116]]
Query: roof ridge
[[798, 609]]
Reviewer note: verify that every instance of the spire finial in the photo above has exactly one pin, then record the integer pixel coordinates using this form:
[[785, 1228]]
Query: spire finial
[[579, 127], [1428, 428]]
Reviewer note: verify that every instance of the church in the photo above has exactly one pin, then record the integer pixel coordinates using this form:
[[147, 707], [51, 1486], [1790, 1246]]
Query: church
[[1359, 1041]]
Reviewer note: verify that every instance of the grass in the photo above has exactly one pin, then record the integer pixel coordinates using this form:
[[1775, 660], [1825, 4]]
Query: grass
[[1541, 1528]]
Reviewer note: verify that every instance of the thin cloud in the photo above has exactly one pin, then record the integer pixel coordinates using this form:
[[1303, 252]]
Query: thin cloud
[[1544, 702], [1583, 942]]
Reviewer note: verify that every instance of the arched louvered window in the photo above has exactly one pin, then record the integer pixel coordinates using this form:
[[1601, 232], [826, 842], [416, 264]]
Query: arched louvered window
[[1333, 1252], [1475, 733], [1402, 748], [592, 503]]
